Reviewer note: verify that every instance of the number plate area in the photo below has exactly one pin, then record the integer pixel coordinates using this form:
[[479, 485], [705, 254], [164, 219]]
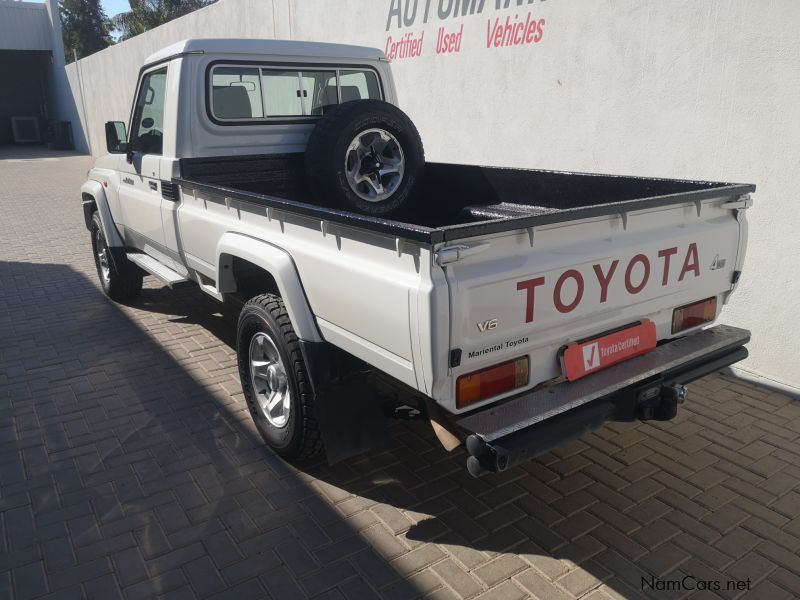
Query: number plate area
[[584, 358]]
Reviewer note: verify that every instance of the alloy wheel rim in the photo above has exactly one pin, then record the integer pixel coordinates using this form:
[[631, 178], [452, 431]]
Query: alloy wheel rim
[[269, 381], [374, 165], [102, 258]]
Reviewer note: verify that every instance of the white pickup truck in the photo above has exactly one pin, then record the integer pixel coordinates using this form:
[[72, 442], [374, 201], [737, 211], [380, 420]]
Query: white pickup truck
[[517, 309]]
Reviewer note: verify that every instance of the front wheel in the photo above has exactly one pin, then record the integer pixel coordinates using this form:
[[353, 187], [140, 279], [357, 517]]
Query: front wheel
[[275, 379], [120, 279]]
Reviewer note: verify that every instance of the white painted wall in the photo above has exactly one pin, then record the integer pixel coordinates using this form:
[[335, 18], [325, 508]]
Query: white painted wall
[[24, 26], [703, 89]]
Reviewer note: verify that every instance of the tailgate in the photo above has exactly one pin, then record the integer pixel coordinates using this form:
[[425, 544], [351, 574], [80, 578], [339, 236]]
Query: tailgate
[[531, 292]]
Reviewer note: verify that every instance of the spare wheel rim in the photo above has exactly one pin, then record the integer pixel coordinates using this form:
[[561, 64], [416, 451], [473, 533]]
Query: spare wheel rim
[[374, 165]]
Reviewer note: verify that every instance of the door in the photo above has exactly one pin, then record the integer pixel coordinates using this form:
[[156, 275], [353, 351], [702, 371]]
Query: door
[[140, 186]]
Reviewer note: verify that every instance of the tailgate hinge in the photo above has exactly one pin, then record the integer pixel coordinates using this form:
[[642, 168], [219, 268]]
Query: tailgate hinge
[[451, 254], [741, 203]]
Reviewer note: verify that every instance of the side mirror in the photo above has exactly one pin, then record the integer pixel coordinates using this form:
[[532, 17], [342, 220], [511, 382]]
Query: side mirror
[[116, 137]]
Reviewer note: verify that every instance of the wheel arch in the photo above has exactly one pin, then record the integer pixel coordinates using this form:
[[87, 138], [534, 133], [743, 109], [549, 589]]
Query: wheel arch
[[281, 277], [94, 198]]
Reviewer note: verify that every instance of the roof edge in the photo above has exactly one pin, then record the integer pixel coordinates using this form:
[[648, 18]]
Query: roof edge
[[263, 46]]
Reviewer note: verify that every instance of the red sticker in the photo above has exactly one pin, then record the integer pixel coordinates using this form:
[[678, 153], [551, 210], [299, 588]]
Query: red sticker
[[584, 358]]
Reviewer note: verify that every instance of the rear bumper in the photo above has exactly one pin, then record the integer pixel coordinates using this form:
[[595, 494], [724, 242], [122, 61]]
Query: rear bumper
[[646, 387]]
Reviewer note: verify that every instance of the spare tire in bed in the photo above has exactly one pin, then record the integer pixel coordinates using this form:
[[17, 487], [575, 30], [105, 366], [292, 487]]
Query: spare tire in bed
[[366, 156]]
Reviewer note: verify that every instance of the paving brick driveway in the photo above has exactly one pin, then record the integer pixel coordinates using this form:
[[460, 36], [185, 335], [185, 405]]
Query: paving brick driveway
[[129, 466]]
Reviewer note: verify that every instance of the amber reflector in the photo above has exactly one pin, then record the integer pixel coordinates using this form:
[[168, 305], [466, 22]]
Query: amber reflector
[[692, 315], [502, 378]]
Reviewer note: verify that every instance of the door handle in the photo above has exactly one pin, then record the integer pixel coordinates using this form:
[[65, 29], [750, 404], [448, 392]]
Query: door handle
[[153, 186]]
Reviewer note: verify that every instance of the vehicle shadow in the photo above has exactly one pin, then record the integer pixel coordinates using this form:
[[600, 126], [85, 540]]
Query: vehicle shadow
[[128, 459], [620, 506], [541, 513]]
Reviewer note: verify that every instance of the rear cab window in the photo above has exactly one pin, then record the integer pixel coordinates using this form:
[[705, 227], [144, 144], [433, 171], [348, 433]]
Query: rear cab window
[[250, 94]]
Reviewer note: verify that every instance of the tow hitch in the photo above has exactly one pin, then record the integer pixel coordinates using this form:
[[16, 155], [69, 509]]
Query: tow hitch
[[661, 405]]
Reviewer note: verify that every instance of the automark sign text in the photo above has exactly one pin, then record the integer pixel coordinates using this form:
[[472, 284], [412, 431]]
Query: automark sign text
[[405, 13]]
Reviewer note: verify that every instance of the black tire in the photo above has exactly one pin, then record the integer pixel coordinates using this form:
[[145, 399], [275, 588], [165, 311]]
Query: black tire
[[300, 437], [327, 152], [122, 282]]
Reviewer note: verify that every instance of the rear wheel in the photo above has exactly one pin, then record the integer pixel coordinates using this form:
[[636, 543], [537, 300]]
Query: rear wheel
[[275, 379], [120, 279]]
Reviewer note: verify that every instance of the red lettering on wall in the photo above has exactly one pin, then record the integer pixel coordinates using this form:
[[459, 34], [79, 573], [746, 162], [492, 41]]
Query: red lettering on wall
[[449, 43], [515, 32], [405, 47], [539, 31]]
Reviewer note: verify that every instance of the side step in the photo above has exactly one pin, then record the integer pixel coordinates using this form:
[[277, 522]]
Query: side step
[[155, 268]]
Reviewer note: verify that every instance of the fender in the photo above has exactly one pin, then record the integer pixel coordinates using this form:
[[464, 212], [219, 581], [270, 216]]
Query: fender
[[92, 193], [280, 265]]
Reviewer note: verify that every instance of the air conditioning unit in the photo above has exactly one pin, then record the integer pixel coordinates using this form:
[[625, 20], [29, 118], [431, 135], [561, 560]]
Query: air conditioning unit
[[25, 129]]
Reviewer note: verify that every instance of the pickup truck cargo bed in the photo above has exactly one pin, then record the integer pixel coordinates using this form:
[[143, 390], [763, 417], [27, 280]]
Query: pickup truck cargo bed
[[457, 201]]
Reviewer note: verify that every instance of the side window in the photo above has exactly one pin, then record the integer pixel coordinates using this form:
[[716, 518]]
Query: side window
[[148, 116], [359, 85], [282, 93], [236, 93]]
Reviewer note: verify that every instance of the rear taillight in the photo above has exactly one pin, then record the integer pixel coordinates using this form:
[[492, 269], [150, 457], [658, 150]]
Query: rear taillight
[[502, 378], [692, 315]]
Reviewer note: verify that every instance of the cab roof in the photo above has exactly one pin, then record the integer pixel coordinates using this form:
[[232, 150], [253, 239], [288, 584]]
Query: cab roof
[[266, 47]]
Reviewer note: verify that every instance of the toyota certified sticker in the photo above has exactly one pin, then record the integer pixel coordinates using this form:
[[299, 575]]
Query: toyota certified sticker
[[583, 358]]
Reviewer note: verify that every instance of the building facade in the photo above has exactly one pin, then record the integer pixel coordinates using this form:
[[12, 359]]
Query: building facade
[[34, 92]]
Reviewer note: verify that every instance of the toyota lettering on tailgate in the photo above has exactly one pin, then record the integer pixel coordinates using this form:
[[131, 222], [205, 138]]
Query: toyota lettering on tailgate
[[635, 276]]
